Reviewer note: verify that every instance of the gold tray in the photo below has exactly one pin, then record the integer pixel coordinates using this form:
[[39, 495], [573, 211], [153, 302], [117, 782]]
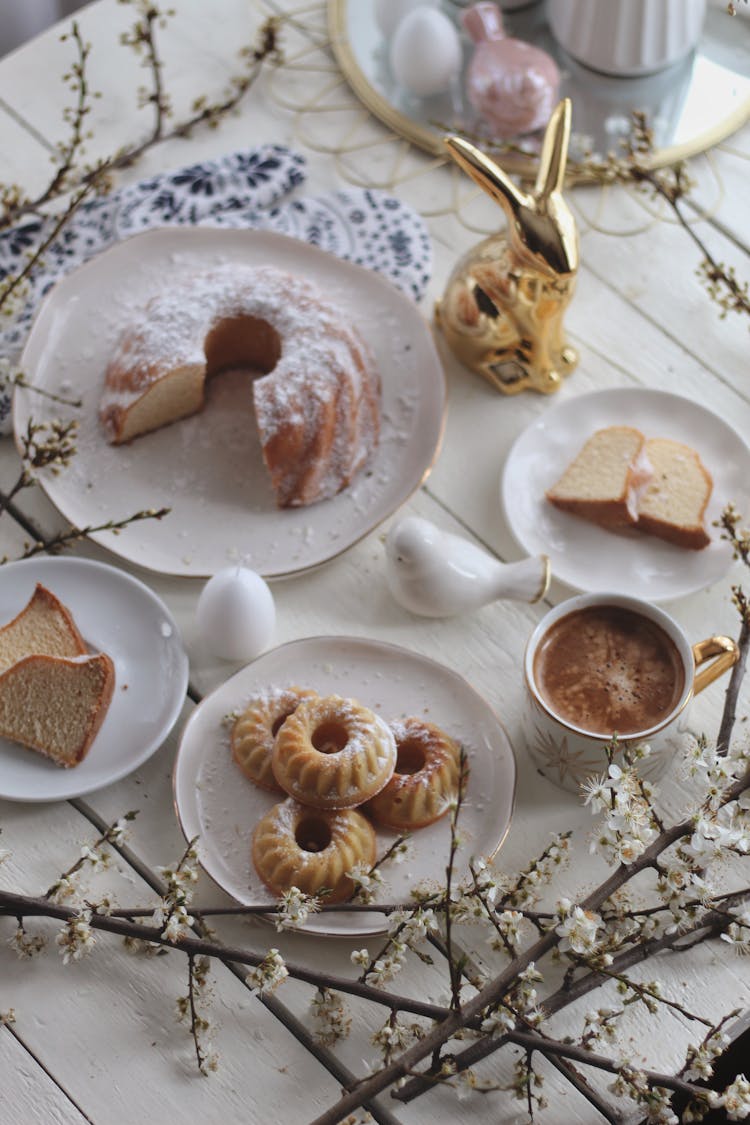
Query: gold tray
[[691, 106]]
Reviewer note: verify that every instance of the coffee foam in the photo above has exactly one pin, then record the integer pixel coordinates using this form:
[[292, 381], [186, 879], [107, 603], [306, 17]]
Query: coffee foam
[[609, 670]]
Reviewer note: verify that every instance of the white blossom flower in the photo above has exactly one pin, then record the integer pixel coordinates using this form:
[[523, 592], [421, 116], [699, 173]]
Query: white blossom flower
[[177, 923], [67, 887], [412, 926], [392, 1036], [76, 937], [738, 932], [596, 792], [366, 881], [389, 964], [578, 928], [700, 1059], [119, 833], [499, 1021], [269, 974], [26, 946], [295, 908], [92, 856], [331, 1017], [736, 1099], [510, 923]]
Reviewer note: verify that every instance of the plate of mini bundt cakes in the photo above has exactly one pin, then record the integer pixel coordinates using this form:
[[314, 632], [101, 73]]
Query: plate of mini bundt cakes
[[281, 402], [306, 767]]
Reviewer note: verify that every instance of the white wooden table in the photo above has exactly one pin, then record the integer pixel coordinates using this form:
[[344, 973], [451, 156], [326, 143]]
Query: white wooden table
[[97, 1041]]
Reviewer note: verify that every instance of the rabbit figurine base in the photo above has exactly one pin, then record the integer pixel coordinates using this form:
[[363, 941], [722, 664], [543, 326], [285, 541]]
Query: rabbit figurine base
[[502, 310]]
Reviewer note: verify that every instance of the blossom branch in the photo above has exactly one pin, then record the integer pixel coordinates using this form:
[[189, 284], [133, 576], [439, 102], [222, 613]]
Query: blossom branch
[[57, 543], [15, 905], [142, 39]]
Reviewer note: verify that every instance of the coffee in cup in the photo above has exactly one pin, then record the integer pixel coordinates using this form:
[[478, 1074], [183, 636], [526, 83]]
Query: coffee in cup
[[601, 665], [607, 669]]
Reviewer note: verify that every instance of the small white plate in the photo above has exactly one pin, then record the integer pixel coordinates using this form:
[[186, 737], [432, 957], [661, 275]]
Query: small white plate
[[589, 558], [221, 807], [208, 468], [118, 615]]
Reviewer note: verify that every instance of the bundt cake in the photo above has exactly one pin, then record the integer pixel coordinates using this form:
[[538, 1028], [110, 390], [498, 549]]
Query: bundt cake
[[312, 849], [254, 730], [316, 402], [425, 781], [333, 753]]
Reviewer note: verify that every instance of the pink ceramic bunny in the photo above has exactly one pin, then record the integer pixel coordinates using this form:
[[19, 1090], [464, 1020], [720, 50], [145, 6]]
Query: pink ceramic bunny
[[511, 84]]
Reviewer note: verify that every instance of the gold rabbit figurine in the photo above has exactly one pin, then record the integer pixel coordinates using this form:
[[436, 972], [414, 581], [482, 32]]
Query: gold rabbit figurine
[[502, 310]]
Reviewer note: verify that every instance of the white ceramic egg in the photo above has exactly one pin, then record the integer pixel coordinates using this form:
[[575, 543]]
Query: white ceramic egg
[[236, 614], [389, 13], [425, 52]]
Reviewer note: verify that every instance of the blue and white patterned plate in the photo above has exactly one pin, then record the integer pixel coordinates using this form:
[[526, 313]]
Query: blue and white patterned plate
[[245, 190]]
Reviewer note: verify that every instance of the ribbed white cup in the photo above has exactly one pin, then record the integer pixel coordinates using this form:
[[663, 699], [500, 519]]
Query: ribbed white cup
[[627, 37]]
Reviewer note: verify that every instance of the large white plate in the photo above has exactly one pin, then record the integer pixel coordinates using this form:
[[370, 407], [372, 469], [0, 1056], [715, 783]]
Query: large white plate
[[209, 468], [217, 804], [589, 558], [118, 615]]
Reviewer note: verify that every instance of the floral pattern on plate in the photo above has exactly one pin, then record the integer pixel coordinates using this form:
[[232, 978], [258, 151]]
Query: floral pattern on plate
[[242, 190]]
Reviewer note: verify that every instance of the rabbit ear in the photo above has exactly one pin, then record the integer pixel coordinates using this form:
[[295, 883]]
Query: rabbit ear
[[554, 155], [485, 172]]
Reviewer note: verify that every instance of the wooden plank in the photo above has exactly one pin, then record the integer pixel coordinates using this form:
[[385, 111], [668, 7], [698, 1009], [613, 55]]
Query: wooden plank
[[125, 1005], [116, 72], [29, 1093]]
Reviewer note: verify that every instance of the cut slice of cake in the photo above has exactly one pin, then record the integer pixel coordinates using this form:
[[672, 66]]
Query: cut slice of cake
[[55, 704], [603, 483], [44, 625], [54, 695], [674, 502]]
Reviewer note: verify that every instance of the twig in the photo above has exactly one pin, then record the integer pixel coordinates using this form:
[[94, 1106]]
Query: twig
[[58, 543], [13, 905], [454, 967]]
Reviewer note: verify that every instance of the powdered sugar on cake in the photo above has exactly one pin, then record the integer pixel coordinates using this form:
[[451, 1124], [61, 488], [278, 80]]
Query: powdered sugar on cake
[[317, 410]]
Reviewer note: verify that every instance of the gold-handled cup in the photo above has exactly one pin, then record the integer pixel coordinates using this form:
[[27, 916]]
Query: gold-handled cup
[[567, 722]]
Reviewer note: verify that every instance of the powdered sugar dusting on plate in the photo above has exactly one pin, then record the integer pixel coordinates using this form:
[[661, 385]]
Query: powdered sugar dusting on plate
[[208, 468]]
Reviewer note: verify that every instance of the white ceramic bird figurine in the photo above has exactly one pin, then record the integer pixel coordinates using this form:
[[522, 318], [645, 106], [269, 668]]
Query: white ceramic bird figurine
[[436, 574]]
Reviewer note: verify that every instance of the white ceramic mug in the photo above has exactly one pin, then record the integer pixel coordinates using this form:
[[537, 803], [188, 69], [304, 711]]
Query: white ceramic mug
[[568, 754]]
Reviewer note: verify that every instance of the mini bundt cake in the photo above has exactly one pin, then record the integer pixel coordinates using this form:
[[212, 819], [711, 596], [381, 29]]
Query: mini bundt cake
[[425, 781], [316, 402], [254, 730], [312, 849], [333, 753]]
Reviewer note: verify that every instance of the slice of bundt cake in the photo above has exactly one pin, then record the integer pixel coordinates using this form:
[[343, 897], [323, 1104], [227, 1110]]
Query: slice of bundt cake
[[43, 625], [602, 484], [56, 705], [674, 503], [54, 695]]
